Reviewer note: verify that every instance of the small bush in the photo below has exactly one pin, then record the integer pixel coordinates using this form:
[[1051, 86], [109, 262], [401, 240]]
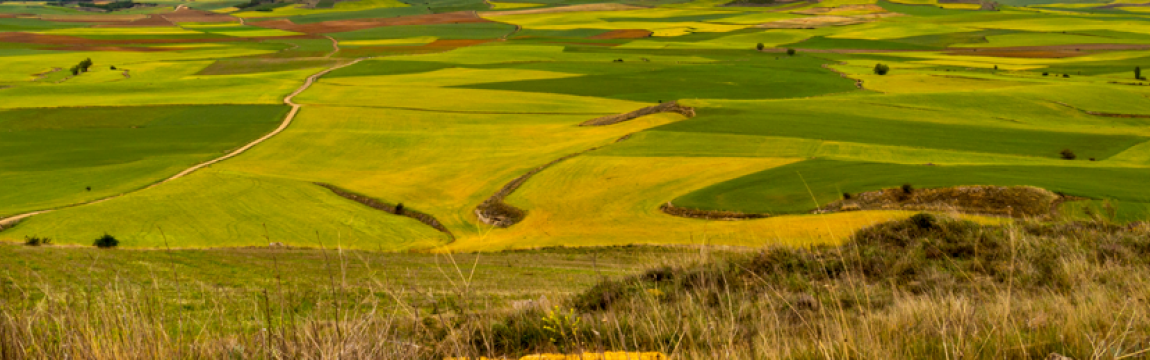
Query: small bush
[[881, 69], [760, 47], [106, 241], [1045, 74], [907, 189], [1068, 155], [790, 52], [1066, 75], [923, 221], [36, 241], [846, 196]]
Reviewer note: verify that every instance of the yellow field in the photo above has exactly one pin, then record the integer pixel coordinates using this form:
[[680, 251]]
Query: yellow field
[[600, 20], [378, 42], [510, 5]]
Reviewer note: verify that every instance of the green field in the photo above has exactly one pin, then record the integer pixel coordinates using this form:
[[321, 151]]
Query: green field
[[439, 116], [59, 156]]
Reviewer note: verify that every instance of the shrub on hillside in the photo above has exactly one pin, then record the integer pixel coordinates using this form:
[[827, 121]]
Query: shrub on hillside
[[1068, 155], [36, 241], [881, 69], [107, 241], [760, 46], [790, 52]]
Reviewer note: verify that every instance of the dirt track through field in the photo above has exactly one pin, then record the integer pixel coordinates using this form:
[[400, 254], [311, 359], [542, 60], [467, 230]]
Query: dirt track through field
[[8, 221]]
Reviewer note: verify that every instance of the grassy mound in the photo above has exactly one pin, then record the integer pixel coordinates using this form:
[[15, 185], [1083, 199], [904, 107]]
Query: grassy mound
[[895, 290]]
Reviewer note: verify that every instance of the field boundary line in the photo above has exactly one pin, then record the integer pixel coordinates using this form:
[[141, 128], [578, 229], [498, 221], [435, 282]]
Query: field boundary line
[[7, 222]]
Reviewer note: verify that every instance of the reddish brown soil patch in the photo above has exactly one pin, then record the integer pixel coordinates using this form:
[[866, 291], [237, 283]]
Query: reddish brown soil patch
[[103, 19], [361, 24], [190, 15], [118, 48], [31, 38], [10, 16], [623, 34], [150, 21]]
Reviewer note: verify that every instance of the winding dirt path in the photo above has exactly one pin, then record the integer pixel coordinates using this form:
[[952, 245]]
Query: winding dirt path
[[8, 221], [334, 47]]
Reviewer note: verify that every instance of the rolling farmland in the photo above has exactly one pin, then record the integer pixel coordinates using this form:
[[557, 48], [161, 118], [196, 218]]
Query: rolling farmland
[[438, 105]]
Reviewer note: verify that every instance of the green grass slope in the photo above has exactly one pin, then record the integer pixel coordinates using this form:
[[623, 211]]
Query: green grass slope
[[50, 156]]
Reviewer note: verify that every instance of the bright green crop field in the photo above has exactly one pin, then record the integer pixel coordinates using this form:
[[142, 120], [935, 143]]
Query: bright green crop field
[[438, 104]]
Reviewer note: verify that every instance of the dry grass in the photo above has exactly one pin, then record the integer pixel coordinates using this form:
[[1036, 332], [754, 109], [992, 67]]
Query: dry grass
[[928, 287]]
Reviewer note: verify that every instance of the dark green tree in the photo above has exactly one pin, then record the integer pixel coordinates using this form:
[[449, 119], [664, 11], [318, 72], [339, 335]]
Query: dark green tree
[[1068, 155], [1138, 72], [790, 52], [760, 46], [881, 69], [106, 241]]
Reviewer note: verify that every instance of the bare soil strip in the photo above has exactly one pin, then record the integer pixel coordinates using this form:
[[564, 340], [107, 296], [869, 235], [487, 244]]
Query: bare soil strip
[[41, 76], [671, 209], [150, 21], [45, 39], [1053, 48], [858, 82], [119, 48], [389, 208], [495, 212], [824, 10], [562, 9], [1011, 201], [12, 220], [185, 14], [323, 27], [672, 106], [1103, 114]]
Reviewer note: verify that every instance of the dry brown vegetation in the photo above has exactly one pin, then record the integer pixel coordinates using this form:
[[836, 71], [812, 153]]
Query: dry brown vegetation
[[48, 39], [671, 209], [1014, 201], [926, 287], [192, 15], [824, 10], [671, 106], [396, 209]]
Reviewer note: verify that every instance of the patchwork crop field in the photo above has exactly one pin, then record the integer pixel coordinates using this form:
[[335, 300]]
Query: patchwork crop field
[[459, 125]]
